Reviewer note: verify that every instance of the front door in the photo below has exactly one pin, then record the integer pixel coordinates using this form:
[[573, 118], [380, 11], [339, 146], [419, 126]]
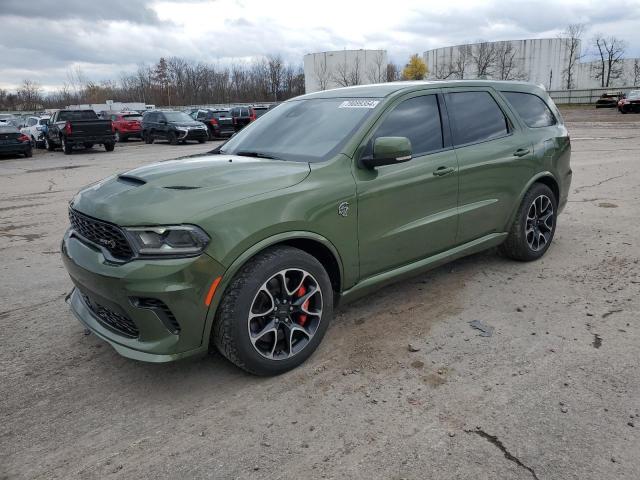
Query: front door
[[408, 211]]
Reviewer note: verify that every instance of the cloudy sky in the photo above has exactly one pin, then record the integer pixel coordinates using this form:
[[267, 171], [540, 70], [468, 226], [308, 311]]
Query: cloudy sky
[[105, 38]]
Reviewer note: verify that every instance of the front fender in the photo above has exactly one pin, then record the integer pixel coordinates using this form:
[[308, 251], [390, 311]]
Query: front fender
[[243, 258]]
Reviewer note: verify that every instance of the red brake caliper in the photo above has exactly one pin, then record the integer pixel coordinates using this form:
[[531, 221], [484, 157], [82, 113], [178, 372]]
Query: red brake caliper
[[302, 318]]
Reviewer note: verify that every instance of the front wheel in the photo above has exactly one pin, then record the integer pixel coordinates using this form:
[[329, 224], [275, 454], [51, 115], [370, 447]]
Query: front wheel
[[275, 312], [173, 139], [148, 138], [534, 226], [109, 146]]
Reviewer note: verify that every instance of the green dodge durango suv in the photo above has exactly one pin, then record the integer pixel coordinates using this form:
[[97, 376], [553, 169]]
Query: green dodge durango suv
[[323, 199]]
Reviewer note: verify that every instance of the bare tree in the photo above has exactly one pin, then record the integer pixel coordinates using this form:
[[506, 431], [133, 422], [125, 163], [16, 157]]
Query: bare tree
[[507, 62], [636, 72], [377, 70], [483, 55], [341, 74], [572, 37], [275, 66], [355, 74], [30, 95], [610, 50], [445, 70], [393, 72], [461, 61], [322, 73]]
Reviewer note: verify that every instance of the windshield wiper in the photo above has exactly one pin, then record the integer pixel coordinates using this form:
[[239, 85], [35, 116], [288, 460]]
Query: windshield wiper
[[246, 153]]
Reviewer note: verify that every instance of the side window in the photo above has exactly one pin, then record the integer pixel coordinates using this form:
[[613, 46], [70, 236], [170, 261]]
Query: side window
[[531, 108], [31, 122], [418, 119], [476, 117]]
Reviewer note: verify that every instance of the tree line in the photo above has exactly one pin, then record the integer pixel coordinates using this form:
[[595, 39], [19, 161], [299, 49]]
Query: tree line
[[171, 81]]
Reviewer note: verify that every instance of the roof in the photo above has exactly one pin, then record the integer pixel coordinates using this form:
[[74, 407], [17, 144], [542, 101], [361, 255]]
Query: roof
[[379, 90]]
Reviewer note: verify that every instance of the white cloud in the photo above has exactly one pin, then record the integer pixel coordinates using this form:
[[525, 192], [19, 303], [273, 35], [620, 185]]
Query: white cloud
[[107, 41]]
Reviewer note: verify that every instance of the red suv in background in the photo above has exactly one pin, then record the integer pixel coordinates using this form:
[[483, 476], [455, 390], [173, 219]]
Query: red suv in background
[[126, 125]]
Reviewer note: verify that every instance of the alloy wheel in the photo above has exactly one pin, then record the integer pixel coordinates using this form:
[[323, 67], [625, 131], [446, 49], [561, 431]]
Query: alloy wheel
[[285, 314], [539, 225]]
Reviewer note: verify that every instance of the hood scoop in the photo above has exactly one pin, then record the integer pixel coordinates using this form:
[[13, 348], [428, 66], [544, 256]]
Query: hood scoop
[[130, 180], [182, 187]]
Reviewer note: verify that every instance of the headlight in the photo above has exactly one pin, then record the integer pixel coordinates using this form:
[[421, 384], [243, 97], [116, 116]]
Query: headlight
[[180, 240]]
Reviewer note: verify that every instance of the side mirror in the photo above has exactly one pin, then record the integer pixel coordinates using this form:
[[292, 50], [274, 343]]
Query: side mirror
[[388, 151]]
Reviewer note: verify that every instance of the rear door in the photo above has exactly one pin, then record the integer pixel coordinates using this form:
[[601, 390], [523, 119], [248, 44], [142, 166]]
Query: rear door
[[408, 211], [495, 158]]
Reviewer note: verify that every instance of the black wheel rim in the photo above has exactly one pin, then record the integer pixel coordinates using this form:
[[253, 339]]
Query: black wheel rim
[[540, 220], [285, 314]]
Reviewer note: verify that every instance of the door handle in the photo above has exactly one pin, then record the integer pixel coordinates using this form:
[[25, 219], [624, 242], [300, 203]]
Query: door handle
[[521, 152], [442, 171]]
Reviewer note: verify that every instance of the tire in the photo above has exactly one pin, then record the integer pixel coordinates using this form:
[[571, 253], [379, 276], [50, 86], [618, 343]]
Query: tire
[[48, 145], [173, 140], [109, 146], [532, 230], [232, 324], [28, 153], [148, 139], [66, 148]]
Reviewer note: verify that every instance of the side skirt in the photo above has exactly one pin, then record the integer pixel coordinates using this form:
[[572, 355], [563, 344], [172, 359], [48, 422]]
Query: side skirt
[[370, 284]]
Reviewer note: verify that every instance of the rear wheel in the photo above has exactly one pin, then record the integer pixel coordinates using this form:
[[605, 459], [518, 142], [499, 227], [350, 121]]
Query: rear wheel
[[202, 140], [67, 148], [147, 137], [534, 226], [275, 312]]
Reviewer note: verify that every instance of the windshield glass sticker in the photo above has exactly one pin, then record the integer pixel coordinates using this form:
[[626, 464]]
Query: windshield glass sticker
[[359, 104]]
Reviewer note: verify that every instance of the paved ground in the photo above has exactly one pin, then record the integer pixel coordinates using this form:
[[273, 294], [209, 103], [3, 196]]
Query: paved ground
[[553, 394]]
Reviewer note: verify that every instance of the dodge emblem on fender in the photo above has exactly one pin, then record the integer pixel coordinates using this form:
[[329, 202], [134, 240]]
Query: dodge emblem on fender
[[343, 209]]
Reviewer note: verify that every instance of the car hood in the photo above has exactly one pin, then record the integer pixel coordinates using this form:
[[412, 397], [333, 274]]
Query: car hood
[[184, 190]]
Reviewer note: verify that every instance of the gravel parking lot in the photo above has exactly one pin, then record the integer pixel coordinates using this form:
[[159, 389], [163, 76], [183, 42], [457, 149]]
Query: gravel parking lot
[[554, 393]]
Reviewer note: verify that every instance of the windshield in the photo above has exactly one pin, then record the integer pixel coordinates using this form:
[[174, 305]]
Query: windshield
[[177, 117], [303, 130], [634, 94]]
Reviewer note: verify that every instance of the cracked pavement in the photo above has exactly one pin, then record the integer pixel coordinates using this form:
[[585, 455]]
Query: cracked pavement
[[554, 393]]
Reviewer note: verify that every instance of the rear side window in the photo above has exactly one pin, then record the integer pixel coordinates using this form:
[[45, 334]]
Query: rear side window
[[531, 108], [418, 119], [476, 117]]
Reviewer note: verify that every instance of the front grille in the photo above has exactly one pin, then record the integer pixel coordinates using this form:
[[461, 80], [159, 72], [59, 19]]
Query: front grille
[[101, 233], [115, 321]]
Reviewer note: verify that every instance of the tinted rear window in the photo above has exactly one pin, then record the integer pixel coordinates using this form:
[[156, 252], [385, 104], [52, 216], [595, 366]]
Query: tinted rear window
[[129, 118], [531, 108], [476, 117], [78, 115]]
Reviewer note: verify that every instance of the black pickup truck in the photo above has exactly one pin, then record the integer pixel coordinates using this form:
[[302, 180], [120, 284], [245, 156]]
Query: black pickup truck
[[70, 128]]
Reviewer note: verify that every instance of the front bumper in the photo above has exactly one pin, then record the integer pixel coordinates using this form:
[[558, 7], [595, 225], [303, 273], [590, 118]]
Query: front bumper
[[192, 134], [180, 284]]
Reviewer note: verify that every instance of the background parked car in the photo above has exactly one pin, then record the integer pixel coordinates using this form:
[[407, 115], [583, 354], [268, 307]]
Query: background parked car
[[608, 100], [242, 116], [70, 128], [7, 119], [172, 126], [36, 129], [126, 125], [12, 141], [630, 102], [260, 110], [218, 122]]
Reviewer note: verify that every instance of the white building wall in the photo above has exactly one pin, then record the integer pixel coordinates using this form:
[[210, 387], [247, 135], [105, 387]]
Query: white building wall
[[539, 61], [325, 70], [586, 75]]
